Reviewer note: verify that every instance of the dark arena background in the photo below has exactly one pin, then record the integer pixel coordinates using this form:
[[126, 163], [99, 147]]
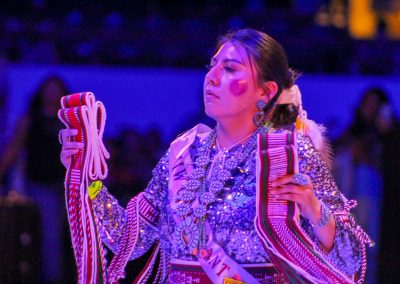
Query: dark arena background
[[145, 61]]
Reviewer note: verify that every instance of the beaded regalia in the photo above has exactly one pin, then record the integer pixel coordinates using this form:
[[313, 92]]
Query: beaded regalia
[[81, 111], [155, 218], [277, 223]]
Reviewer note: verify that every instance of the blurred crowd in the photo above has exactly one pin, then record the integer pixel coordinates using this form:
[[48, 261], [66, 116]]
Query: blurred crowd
[[134, 154], [182, 33], [366, 170], [41, 252]]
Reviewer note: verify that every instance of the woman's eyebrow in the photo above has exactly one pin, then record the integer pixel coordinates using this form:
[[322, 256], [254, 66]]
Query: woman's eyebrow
[[233, 60], [227, 60]]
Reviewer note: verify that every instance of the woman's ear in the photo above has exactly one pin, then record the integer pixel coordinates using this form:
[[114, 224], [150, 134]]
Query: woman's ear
[[271, 88]]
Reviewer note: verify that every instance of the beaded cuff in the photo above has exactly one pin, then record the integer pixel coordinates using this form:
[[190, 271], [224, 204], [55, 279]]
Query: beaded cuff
[[325, 216]]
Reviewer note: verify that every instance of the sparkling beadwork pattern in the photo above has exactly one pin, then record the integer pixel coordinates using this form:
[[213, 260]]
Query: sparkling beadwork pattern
[[232, 212], [207, 197], [215, 186], [186, 195], [112, 219], [183, 209], [187, 235], [200, 211], [198, 173], [193, 185]]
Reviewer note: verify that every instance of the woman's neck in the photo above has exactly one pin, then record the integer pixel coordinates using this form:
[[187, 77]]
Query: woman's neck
[[229, 134]]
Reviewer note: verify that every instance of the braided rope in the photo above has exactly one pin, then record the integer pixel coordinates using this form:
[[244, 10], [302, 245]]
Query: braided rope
[[73, 209], [360, 234], [276, 220], [364, 239], [137, 207], [145, 274], [82, 112], [127, 244], [166, 263]]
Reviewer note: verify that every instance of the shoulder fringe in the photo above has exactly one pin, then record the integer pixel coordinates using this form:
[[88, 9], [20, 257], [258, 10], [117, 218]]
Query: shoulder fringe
[[317, 134]]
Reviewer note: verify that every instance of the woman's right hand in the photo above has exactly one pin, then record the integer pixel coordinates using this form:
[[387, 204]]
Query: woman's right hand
[[69, 148]]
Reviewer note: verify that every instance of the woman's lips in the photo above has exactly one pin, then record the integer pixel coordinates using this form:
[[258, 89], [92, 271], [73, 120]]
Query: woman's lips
[[210, 94]]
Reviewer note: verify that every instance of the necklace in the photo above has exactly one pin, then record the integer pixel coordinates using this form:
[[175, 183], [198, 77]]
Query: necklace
[[190, 232], [225, 149], [223, 152]]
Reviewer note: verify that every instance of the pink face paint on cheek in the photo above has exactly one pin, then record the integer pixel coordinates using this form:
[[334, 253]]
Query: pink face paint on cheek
[[238, 87]]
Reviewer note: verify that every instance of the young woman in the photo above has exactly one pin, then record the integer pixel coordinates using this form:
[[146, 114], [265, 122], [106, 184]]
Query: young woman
[[34, 135], [200, 205]]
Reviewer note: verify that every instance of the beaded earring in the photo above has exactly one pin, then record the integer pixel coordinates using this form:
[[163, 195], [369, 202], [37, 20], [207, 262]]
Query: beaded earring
[[259, 116]]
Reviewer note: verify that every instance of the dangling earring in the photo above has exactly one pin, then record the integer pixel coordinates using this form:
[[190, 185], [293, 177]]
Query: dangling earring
[[258, 117]]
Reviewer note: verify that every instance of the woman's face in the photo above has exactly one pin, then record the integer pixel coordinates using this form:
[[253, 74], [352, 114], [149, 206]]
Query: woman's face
[[51, 95], [230, 88], [370, 107]]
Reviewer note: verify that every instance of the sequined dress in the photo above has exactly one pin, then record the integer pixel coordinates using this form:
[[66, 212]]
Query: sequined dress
[[232, 213]]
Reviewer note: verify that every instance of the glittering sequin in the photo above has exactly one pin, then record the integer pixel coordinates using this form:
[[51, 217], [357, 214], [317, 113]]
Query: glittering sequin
[[231, 215]]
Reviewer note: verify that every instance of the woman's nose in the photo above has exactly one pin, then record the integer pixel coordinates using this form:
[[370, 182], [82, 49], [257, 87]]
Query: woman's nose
[[213, 76]]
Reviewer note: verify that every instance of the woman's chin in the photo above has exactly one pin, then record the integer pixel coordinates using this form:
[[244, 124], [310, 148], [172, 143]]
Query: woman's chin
[[210, 112]]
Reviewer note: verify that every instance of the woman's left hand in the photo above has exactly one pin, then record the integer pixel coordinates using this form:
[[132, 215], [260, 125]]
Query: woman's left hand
[[286, 188], [299, 188]]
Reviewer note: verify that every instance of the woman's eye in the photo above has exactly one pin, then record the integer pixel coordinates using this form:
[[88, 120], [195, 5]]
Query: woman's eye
[[229, 69]]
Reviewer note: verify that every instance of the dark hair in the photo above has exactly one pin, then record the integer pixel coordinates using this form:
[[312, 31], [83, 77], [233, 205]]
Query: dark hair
[[271, 64], [359, 123], [378, 92], [36, 104]]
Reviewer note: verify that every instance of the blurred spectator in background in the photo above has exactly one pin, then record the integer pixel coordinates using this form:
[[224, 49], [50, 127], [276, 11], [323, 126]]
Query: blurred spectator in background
[[359, 164], [389, 247], [35, 136], [133, 156]]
